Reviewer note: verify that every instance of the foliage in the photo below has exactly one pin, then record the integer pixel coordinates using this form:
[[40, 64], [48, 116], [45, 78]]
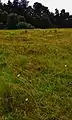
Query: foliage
[[38, 15], [12, 21], [4, 17], [24, 25], [1, 25], [21, 18]]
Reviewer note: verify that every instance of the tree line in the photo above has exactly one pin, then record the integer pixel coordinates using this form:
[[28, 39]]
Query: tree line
[[19, 15]]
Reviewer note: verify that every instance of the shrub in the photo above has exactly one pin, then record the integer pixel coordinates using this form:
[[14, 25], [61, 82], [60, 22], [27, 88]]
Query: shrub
[[0, 15], [24, 25], [21, 25], [21, 18], [12, 21], [4, 17], [1, 25], [30, 26]]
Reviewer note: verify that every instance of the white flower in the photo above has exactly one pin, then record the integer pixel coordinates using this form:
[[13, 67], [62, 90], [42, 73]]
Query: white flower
[[26, 99], [18, 75], [65, 65]]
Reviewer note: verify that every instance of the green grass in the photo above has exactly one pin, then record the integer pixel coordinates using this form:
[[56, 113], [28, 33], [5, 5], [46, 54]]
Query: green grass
[[36, 74]]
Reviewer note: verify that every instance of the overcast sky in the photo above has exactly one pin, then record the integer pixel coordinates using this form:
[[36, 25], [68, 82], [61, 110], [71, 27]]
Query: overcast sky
[[52, 4]]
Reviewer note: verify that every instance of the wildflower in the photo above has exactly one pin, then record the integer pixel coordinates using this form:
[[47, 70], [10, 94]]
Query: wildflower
[[26, 99], [65, 65], [18, 75]]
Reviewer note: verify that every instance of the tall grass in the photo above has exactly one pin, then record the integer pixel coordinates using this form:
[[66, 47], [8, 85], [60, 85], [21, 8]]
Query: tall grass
[[36, 74]]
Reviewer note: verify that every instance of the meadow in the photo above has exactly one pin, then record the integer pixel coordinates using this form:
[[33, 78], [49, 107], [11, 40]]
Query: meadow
[[36, 74]]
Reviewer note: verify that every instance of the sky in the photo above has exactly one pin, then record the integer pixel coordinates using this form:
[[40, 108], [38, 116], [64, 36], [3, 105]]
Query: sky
[[52, 4]]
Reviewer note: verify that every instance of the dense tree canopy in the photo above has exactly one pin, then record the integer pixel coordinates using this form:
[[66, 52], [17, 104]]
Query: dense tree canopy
[[18, 14]]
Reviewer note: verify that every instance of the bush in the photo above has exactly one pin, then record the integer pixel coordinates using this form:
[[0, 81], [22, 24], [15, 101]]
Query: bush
[[12, 21], [4, 17], [1, 25], [30, 26], [0, 15], [21, 25], [24, 25], [21, 18]]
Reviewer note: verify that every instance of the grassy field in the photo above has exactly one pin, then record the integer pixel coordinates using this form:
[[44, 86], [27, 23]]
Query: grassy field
[[36, 74]]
